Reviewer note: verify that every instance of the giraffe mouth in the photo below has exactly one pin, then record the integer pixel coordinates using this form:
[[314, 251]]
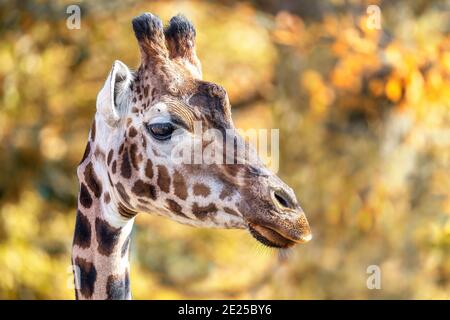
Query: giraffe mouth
[[271, 238]]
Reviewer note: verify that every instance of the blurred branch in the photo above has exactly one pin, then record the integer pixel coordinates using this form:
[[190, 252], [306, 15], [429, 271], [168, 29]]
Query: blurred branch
[[248, 100]]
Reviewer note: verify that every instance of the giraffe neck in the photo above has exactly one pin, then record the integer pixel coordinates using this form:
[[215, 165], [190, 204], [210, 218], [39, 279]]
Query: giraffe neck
[[100, 251]]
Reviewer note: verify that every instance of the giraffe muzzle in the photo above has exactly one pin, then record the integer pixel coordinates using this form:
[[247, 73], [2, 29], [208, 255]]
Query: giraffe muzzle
[[281, 223], [281, 232], [273, 238]]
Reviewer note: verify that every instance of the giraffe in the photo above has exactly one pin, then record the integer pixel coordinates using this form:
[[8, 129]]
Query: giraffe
[[127, 166]]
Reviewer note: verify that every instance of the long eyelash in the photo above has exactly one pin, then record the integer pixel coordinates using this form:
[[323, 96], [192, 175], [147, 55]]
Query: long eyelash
[[179, 122]]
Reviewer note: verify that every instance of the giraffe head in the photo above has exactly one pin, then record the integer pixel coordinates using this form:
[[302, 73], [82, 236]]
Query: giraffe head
[[150, 129]]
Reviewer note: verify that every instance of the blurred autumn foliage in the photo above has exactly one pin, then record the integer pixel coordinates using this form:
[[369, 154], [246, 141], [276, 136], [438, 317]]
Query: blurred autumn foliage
[[364, 118]]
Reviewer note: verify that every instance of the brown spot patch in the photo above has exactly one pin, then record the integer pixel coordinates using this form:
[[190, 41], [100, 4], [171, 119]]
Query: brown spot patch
[[132, 132], [86, 152], [86, 276], [179, 185], [163, 179], [133, 156], [201, 189], [107, 236], [175, 208], [143, 189], [110, 154], [82, 236], [85, 197], [125, 168], [149, 169], [118, 287], [114, 167], [122, 146], [92, 181], [202, 212], [123, 194], [106, 197]]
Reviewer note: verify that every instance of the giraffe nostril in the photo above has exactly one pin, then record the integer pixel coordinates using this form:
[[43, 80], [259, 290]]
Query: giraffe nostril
[[283, 200]]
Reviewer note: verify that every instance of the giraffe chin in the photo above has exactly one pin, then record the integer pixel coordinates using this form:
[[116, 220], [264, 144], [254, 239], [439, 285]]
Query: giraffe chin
[[270, 237]]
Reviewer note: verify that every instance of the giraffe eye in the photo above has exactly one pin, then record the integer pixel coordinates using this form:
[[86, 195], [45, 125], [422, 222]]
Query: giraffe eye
[[161, 131]]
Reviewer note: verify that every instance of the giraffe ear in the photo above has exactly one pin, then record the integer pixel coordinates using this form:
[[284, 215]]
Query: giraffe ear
[[113, 98]]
